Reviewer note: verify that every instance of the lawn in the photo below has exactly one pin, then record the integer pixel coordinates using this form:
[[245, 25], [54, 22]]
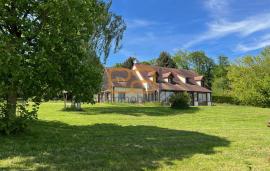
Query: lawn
[[141, 137]]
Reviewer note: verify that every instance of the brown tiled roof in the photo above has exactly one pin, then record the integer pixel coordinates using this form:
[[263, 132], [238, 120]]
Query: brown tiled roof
[[166, 75], [121, 77], [191, 85]]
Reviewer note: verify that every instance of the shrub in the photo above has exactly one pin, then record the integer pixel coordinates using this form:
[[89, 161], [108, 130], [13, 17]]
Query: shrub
[[180, 101], [17, 124], [224, 99]]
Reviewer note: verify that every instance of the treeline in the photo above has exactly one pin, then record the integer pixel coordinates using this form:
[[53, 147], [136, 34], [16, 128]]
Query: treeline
[[243, 81]]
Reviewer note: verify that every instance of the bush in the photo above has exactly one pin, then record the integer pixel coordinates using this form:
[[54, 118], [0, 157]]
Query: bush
[[12, 126], [180, 101], [9, 125], [224, 99]]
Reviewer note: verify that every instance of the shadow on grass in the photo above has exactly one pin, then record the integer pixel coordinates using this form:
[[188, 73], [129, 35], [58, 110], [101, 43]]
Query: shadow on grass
[[138, 111], [58, 146]]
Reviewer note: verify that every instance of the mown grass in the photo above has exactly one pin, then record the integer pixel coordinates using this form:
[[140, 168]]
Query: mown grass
[[141, 137]]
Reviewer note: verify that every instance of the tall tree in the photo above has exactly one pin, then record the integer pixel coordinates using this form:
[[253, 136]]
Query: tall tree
[[50, 46], [165, 60], [182, 60], [202, 65], [221, 81]]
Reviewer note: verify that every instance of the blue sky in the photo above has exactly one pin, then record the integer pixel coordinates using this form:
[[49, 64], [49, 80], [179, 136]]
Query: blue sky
[[219, 27]]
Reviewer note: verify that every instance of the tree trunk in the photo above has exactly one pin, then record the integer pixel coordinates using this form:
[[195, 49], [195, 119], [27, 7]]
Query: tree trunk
[[78, 106], [11, 104], [65, 100]]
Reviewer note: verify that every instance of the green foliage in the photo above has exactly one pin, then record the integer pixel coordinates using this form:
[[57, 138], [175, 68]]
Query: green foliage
[[13, 125], [224, 98], [202, 65], [180, 100], [165, 60], [181, 58], [197, 61], [118, 65], [220, 84], [145, 62], [250, 79], [150, 62], [221, 69], [128, 63], [51, 46]]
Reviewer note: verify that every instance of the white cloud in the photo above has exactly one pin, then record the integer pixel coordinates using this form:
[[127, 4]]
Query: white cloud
[[217, 7], [261, 43], [137, 23], [223, 28]]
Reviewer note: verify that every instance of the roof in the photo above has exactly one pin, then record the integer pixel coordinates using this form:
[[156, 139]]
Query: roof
[[152, 73], [163, 72], [198, 78], [121, 77], [166, 75]]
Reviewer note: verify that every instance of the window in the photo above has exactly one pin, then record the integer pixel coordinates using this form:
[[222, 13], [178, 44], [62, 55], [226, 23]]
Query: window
[[121, 96], [202, 97], [209, 97], [170, 80], [202, 83], [195, 97]]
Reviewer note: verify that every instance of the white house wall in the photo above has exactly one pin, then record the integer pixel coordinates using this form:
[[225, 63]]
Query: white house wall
[[199, 83], [183, 79]]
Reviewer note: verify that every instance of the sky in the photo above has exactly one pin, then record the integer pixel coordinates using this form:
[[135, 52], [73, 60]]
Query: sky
[[233, 28]]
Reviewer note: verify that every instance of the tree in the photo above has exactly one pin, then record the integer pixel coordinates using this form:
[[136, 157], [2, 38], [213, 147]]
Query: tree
[[181, 58], [202, 65], [117, 65], [150, 62], [165, 60], [250, 79], [145, 62], [51, 46], [128, 63], [221, 81]]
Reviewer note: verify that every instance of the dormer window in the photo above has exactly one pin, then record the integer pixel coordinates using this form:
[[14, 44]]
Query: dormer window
[[170, 80], [168, 77], [199, 80], [187, 80], [153, 76]]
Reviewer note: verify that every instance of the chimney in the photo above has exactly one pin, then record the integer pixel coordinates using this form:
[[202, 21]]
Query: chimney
[[135, 61]]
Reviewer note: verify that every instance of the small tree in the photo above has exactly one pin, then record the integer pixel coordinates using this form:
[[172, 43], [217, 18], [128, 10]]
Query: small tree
[[180, 100]]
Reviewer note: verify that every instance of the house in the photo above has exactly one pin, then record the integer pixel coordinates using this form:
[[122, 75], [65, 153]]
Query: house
[[152, 83]]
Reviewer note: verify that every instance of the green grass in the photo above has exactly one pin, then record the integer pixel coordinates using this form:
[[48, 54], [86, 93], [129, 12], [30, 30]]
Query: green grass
[[137, 137]]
